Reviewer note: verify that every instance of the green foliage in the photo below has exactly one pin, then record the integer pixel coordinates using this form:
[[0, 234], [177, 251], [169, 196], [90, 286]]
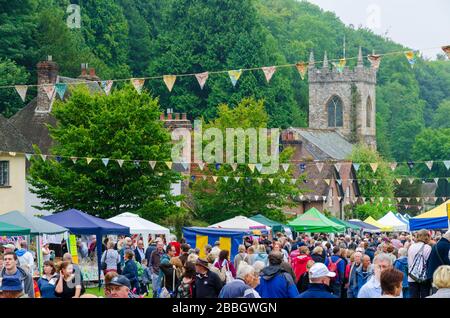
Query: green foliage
[[375, 210], [123, 125], [217, 201], [10, 74], [441, 118]]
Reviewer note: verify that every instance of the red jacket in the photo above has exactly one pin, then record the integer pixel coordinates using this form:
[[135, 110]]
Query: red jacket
[[299, 264]]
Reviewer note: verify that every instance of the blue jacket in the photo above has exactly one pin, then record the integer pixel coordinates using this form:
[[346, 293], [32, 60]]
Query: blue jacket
[[236, 289], [442, 247], [362, 278], [276, 283], [46, 288], [340, 267], [130, 271], [402, 265], [317, 291]]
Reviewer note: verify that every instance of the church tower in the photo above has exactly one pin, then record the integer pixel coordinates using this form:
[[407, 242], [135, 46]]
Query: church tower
[[343, 100]]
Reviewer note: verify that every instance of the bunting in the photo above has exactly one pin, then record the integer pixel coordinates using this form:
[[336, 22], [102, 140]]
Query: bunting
[[169, 164], [61, 89], [138, 84], [301, 68], [375, 61], [202, 78], [22, 91], [374, 166], [319, 166], [201, 165], [105, 161], [120, 162], [446, 49], [152, 164], [28, 156], [234, 76], [268, 72], [259, 180], [234, 166], [251, 166], [169, 80], [429, 164], [271, 180], [411, 57], [285, 167], [356, 166], [338, 166], [88, 160], [185, 165], [237, 179], [393, 165], [106, 86], [259, 167], [74, 159], [447, 164], [341, 65], [226, 178], [214, 178], [49, 90]]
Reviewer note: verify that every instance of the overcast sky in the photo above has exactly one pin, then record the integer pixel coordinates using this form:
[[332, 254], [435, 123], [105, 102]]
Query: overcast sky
[[417, 24]]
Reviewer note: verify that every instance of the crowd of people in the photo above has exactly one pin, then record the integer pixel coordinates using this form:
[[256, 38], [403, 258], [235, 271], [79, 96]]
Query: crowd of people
[[311, 266]]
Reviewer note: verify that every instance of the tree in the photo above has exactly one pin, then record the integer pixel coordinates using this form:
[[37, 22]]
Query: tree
[[10, 74], [378, 185], [123, 125], [441, 118], [217, 201]]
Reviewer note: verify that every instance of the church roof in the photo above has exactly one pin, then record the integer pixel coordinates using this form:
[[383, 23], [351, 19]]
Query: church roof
[[11, 139], [331, 144]]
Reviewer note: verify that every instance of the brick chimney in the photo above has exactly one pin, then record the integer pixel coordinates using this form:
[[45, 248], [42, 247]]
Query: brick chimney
[[84, 73], [47, 73]]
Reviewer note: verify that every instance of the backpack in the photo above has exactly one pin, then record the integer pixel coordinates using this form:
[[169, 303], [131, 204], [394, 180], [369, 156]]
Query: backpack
[[332, 267], [418, 271]]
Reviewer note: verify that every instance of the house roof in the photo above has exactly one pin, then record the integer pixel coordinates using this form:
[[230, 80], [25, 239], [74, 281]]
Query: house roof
[[332, 144], [11, 139]]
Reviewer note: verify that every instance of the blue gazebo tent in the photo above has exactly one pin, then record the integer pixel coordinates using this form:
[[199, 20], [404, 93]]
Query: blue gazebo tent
[[81, 223], [434, 219], [366, 227], [229, 239]]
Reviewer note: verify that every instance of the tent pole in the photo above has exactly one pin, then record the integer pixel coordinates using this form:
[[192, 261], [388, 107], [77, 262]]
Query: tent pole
[[99, 238]]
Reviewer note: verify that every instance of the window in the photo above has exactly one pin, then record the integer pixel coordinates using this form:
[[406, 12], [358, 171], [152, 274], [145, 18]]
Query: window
[[334, 107], [369, 112], [4, 173]]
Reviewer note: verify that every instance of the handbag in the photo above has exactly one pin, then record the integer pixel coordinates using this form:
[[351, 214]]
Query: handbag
[[228, 274], [163, 292], [103, 263]]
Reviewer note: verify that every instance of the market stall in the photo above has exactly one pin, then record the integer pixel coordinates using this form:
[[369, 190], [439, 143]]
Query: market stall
[[276, 226], [393, 221], [140, 225], [365, 227], [80, 223], [349, 226], [383, 228], [313, 221], [242, 223], [229, 239], [434, 219], [7, 229]]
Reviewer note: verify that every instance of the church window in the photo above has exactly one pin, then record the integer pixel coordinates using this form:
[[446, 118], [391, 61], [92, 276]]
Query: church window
[[335, 116]]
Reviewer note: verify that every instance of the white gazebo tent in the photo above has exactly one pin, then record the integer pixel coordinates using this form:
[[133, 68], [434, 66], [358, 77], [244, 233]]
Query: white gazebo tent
[[140, 225], [391, 220], [240, 223]]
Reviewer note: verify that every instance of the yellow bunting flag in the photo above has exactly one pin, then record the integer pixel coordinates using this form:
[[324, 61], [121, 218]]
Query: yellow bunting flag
[[22, 91], [268, 72], [120, 162], [411, 57], [251, 166], [374, 166], [375, 61], [327, 181], [169, 164], [88, 160], [271, 180], [170, 81], [446, 49], [301, 68], [399, 181], [138, 84], [341, 65], [234, 76], [214, 178]]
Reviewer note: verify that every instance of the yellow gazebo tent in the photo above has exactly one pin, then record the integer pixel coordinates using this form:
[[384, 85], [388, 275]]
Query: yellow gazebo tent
[[382, 227]]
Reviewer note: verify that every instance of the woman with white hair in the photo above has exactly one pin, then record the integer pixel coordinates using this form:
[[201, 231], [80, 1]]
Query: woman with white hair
[[441, 281], [242, 286]]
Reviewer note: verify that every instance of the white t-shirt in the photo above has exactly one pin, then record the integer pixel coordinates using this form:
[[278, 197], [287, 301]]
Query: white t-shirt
[[412, 251]]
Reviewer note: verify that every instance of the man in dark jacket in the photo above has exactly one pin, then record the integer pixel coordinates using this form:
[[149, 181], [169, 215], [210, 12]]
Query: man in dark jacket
[[439, 255], [155, 261], [10, 269], [207, 283], [319, 277], [338, 261], [276, 282]]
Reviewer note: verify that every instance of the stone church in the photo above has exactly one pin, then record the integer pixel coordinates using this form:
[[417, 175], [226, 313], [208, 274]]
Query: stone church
[[341, 114]]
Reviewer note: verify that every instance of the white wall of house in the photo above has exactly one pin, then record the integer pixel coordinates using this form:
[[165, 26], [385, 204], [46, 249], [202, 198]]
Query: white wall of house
[[12, 194]]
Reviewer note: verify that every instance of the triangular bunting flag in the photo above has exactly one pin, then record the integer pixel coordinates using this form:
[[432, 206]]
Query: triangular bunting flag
[[234, 76], [282, 180], [399, 181], [120, 162], [316, 181], [214, 178], [138, 84], [28, 156], [324, 198], [316, 198], [169, 164], [356, 166], [170, 81], [446, 49], [293, 181], [447, 164], [429, 164], [399, 200], [251, 166], [185, 165], [22, 91], [259, 166], [375, 61], [341, 65], [301, 68], [381, 199], [375, 181], [152, 164], [49, 90], [259, 180], [339, 181], [44, 157], [88, 160], [106, 86], [226, 178], [74, 159], [137, 163], [393, 165], [201, 78], [61, 89], [339, 198], [411, 180], [337, 166], [436, 180], [204, 178], [285, 167], [417, 199], [233, 166], [411, 57], [408, 199], [105, 161], [319, 166], [268, 72], [374, 167], [201, 165], [327, 181], [271, 180], [237, 179]]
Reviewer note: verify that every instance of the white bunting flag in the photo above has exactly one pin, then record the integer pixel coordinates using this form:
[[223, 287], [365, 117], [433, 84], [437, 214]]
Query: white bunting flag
[[282, 180], [74, 159], [399, 181], [105, 161], [12, 153], [233, 166], [411, 180], [44, 157], [429, 164], [447, 164], [202, 78], [259, 166], [285, 167], [28, 156], [271, 180], [185, 165], [337, 166], [226, 178], [169, 80], [319, 166], [436, 180], [120, 162], [293, 181], [268, 72], [201, 165], [22, 91], [152, 164], [237, 179], [259, 180]]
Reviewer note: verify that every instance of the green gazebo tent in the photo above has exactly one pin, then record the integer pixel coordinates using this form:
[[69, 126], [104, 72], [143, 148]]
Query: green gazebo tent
[[276, 226], [315, 222], [7, 229], [345, 223]]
